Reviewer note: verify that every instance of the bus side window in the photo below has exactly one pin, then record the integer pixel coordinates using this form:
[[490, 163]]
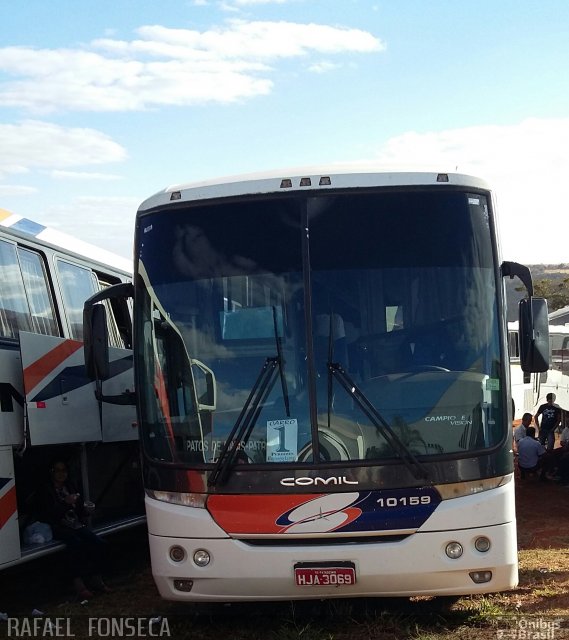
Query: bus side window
[[77, 284], [117, 337], [38, 293], [14, 310]]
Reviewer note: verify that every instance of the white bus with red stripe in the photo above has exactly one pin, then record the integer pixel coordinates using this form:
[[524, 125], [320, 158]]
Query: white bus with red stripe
[[322, 382], [48, 406]]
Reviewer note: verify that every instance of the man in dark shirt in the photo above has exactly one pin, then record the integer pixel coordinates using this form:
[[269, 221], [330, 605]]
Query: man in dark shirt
[[550, 419]]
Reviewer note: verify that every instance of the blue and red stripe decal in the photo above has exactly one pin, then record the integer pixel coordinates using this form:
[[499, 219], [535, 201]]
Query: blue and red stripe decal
[[8, 504]]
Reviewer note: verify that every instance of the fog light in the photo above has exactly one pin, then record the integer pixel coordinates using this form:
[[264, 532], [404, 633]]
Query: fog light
[[480, 577], [453, 550], [177, 554], [202, 558], [183, 585], [482, 544]]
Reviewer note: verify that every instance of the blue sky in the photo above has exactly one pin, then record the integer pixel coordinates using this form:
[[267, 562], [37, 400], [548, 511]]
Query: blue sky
[[104, 103]]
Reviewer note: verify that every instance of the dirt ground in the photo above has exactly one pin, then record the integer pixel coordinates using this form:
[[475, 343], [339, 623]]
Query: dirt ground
[[542, 510]]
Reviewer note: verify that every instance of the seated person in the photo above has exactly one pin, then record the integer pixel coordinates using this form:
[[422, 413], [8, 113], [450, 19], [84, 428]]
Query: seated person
[[556, 461], [520, 430], [530, 451], [62, 507]]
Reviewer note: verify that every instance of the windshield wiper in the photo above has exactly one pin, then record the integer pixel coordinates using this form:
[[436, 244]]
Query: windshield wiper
[[281, 363], [378, 421], [245, 422], [251, 410]]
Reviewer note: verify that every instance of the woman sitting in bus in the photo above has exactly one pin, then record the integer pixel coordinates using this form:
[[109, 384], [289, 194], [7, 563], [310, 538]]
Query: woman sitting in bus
[[63, 508]]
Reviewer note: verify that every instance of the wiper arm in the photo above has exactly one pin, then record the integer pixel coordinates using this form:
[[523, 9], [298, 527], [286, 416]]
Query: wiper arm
[[246, 421], [281, 363], [251, 409], [378, 421]]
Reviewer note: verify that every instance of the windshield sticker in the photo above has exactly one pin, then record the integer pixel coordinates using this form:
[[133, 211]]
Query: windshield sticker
[[282, 440], [215, 446], [493, 384], [453, 420]]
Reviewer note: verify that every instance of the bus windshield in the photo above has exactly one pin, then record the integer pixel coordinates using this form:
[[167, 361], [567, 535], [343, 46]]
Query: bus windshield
[[398, 289]]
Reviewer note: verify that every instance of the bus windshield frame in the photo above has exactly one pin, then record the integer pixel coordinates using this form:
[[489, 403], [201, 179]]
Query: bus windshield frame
[[400, 289]]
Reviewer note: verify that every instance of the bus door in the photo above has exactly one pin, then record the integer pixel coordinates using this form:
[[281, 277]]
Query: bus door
[[119, 421], [11, 396], [60, 400], [9, 532]]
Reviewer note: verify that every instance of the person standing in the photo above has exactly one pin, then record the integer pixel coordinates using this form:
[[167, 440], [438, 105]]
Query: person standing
[[550, 419]]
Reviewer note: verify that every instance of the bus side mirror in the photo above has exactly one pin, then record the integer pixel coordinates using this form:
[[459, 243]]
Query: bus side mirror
[[96, 342], [534, 335], [96, 332], [204, 380]]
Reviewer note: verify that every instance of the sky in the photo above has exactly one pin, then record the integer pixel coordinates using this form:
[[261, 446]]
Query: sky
[[103, 103]]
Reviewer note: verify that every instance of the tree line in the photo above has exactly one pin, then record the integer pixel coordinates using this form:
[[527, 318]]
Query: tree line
[[550, 282]]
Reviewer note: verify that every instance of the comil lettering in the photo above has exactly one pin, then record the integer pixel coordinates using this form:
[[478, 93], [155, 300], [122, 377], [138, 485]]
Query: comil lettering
[[307, 482]]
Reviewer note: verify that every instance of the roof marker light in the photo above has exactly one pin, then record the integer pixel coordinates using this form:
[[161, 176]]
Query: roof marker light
[[442, 177], [176, 195], [305, 182], [325, 181], [286, 183]]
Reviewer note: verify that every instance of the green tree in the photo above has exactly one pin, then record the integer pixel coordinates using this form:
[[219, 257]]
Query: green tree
[[556, 292]]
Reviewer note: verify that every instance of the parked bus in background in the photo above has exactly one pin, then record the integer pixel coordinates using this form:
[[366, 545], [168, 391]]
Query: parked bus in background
[[48, 408], [323, 386], [529, 391]]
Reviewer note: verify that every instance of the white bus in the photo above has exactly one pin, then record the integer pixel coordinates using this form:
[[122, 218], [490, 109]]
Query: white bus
[[48, 408], [529, 391], [322, 382]]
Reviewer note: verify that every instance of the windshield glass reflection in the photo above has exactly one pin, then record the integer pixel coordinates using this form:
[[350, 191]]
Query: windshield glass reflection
[[413, 324]]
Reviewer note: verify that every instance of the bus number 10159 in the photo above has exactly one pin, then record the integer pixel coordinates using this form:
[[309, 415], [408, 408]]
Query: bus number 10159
[[404, 501]]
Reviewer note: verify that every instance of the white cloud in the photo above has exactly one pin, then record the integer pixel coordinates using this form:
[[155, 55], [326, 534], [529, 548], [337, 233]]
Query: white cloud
[[243, 3], [166, 66], [322, 67], [102, 221], [83, 175], [41, 145], [526, 164], [16, 190]]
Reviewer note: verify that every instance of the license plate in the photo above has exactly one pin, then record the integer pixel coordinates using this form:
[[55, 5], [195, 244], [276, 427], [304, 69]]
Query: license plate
[[325, 576]]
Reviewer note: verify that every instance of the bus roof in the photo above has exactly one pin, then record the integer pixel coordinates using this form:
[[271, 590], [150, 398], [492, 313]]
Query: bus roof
[[62, 241], [312, 178]]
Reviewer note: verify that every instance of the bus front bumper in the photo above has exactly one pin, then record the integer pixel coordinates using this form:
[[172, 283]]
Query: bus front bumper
[[416, 565]]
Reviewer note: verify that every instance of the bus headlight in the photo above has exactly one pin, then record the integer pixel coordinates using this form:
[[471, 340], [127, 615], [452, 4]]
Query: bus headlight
[[196, 500], [202, 558], [454, 550], [482, 544], [177, 554]]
